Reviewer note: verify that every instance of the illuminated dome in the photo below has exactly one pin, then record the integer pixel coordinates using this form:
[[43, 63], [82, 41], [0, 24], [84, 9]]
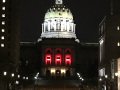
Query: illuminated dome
[[58, 22], [59, 11]]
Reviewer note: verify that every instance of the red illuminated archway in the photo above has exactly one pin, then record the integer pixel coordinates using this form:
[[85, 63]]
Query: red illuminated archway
[[68, 59], [48, 59], [58, 59], [48, 56]]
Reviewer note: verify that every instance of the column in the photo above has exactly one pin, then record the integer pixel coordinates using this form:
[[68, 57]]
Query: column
[[55, 26], [42, 27], [61, 26], [72, 27], [68, 26], [48, 26]]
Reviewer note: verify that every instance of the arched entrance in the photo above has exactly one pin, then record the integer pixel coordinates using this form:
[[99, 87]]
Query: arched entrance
[[58, 73]]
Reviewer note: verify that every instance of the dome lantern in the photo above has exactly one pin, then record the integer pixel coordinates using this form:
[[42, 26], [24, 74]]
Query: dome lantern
[[59, 2]]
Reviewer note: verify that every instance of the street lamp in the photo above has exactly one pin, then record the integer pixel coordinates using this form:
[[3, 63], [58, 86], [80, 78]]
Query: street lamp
[[12, 74], [26, 78], [23, 77], [4, 73], [17, 82], [106, 76], [18, 76]]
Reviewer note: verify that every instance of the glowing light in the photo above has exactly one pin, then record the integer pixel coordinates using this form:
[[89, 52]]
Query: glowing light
[[3, 22], [17, 82], [116, 74], [3, 8], [23, 77], [2, 45], [18, 76], [3, 30], [3, 15], [35, 77], [48, 59], [68, 59], [4, 73], [53, 70], [12, 74], [2, 37], [106, 76], [118, 28], [63, 71], [118, 44], [38, 73], [101, 41], [58, 59], [100, 79], [26, 78], [82, 79], [78, 74], [3, 1]]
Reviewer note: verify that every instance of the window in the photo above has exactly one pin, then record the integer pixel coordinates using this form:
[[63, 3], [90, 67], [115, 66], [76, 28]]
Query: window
[[3, 1], [3, 15], [118, 44], [52, 70], [58, 59], [63, 71], [3, 8], [3, 30], [68, 59], [48, 59], [2, 45], [3, 22], [118, 28], [102, 72], [2, 37]]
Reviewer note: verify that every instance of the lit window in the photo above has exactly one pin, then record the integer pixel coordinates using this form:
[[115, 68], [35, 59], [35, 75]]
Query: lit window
[[68, 59], [58, 59], [118, 44], [63, 71], [118, 28], [3, 30], [3, 1], [48, 59], [52, 70], [3, 8], [2, 45], [3, 22], [3, 15], [2, 37]]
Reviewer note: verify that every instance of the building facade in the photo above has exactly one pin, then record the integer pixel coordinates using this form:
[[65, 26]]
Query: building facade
[[58, 43], [9, 39], [110, 48]]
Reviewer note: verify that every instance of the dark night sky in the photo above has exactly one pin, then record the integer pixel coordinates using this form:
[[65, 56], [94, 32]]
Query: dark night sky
[[87, 16]]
